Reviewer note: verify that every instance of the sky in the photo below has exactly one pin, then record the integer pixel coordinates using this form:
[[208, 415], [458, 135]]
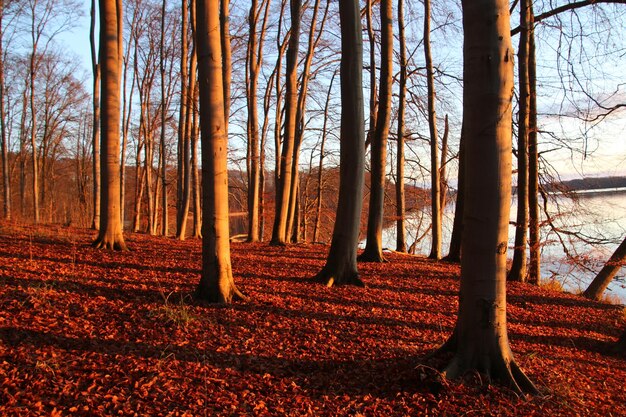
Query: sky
[[607, 141]]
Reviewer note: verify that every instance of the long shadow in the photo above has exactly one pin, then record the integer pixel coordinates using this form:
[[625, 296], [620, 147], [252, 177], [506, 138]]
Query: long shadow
[[416, 290], [560, 301], [383, 378], [105, 264]]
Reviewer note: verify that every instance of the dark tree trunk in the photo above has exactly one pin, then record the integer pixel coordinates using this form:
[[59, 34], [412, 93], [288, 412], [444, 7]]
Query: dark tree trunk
[[607, 273], [400, 199], [341, 266]]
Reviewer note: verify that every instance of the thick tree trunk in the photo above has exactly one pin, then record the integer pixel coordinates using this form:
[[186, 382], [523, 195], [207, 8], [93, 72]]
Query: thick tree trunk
[[400, 199], [519, 266], [374, 247], [607, 273], [341, 266], [280, 232], [534, 266], [216, 284], [182, 204], [226, 58], [435, 191], [33, 133], [480, 339], [110, 235]]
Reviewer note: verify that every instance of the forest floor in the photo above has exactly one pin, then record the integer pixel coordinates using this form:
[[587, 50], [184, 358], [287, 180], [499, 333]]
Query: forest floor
[[92, 332]]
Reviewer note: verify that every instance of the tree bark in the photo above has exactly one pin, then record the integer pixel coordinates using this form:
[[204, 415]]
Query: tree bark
[[435, 190], [6, 182], [519, 270], [534, 266], [184, 177], [280, 232], [607, 273], [374, 248], [110, 235], [480, 339], [216, 284], [454, 253], [341, 265], [400, 198], [165, 221]]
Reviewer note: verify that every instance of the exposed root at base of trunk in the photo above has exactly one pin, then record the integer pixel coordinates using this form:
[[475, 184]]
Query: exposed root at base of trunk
[[495, 368], [102, 243], [329, 278], [215, 297]]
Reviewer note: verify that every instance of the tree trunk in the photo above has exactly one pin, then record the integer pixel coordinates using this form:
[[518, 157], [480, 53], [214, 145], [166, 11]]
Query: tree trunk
[[534, 266], [435, 191], [216, 284], [280, 232], [226, 58], [374, 247], [181, 175], [341, 266], [5, 154], [320, 169], [372, 65], [454, 253], [253, 59], [95, 224], [400, 199], [607, 273], [110, 235], [33, 132], [292, 223], [165, 221], [519, 266], [480, 339], [443, 181]]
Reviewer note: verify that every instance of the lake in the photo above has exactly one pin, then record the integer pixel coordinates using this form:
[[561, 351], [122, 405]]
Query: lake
[[598, 216]]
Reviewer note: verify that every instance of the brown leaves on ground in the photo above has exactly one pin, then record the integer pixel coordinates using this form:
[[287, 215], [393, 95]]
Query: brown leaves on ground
[[91, 332]]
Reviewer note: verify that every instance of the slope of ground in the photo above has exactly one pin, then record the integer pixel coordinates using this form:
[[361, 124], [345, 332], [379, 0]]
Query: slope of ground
[[90, 332]]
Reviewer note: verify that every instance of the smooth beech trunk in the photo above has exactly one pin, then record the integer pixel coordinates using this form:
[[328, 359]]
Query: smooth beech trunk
[[280, 234], [454, 253], [95, 223], [480, 338], [435, 183], [184, 142], [607, 273], [110, 235], [400, 199], [341, 265], [534, 266], [5, 159], [216, 284], [518, 270], [374, 245]]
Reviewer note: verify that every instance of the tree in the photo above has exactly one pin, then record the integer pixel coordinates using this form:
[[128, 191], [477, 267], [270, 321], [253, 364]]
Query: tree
[[480, 340], [110, 234], [435, 187], [279, 232], [400, 199], [6, 183], [216, 283], [373, 247], [96, 119], [519, 267], [607, 273], [341, 265]]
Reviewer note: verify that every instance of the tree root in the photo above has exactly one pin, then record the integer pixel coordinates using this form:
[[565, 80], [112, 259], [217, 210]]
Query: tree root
[[329, 278]]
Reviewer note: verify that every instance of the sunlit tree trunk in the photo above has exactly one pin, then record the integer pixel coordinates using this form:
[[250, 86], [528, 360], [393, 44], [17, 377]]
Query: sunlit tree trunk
[[254, 60], [534, 266], [480, 340], [374, 247], [519, 266], [400, 199], [280, 232], [293, 214], [435, 191], [607, 273], [96, 120], [226, 58], [216, 284], [341, 266], [110, 234], [165, 221], [182, 194]]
